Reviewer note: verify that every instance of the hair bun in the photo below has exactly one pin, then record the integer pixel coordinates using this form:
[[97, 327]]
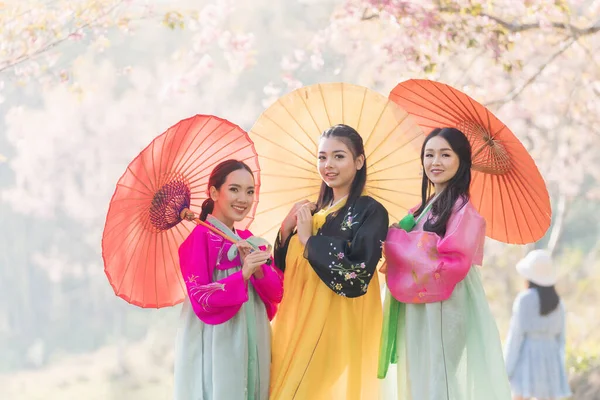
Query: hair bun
[[208, 206]]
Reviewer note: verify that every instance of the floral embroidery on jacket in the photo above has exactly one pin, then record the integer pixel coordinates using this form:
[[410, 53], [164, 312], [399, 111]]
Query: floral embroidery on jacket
[[201, 293], [349, 220], [351, 273]]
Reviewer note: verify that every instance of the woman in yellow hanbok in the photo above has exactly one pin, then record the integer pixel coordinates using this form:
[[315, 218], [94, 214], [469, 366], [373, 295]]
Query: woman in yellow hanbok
[[326, 335]]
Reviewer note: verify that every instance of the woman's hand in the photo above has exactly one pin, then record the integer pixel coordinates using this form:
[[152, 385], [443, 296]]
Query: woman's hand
[[304, 223], [290, 221], [244, 248], [259, 273], [186, 213], [253, 262]]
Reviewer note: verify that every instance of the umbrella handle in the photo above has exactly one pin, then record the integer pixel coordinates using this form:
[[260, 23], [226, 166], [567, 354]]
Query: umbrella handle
[[214, 230], [198, 221]]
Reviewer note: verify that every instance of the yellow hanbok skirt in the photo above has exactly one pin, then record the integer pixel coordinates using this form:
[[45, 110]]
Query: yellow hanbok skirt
[[325, 346]]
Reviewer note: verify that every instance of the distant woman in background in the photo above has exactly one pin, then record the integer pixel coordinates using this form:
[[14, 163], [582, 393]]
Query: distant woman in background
[[535, 347]]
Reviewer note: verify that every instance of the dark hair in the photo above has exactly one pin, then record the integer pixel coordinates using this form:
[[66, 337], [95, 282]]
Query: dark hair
[[354, 141], [458, 186], [549, 299], [218, 176]]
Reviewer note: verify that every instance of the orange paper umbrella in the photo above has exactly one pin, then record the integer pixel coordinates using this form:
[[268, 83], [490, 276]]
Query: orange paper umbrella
[[143, 227], [507, 188]]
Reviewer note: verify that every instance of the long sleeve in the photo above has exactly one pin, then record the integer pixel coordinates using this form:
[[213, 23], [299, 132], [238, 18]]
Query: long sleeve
[[269, 288], [213, 302], [424, 268], [280, 250], [516, 334], [347, 266]]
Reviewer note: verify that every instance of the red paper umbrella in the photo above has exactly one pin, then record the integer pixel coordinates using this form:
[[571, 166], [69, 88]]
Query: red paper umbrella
[[143, 229]]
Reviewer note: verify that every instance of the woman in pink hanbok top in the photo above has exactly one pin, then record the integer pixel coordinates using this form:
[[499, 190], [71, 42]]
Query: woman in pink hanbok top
[[438, 326], [223, 348]]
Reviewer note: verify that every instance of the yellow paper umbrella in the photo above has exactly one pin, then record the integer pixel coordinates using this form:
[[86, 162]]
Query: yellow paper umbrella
[[286, 138]]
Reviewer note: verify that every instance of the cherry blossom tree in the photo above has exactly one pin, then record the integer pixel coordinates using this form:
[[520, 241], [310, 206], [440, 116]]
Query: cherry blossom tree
[[415, 37], [507, 54], [40, 38], [87, 85]]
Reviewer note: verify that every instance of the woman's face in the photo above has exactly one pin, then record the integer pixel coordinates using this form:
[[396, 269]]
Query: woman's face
[[440, 162], [234, 198], [336, 163]]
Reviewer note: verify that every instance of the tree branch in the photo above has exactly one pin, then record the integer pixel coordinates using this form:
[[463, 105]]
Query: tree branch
[[577, 32], [515, 93], [28, 56], [21, 59], [513, 27], [366, 17]]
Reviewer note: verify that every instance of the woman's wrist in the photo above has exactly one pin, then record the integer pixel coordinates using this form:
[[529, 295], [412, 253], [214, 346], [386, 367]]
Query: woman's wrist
[[284, 234]]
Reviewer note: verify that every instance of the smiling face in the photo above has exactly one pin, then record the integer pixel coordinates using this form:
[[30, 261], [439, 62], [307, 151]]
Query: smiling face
[[234, 198], [440, 162], [337, 165]]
